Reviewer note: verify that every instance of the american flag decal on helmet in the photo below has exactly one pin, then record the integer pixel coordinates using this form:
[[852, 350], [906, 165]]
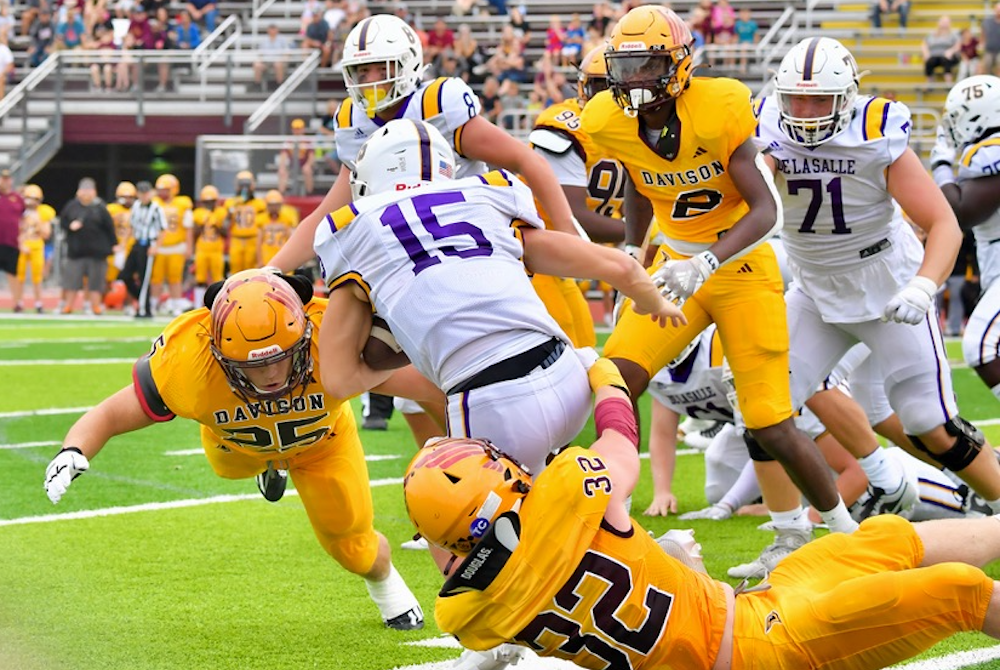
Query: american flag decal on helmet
[[444, 169]]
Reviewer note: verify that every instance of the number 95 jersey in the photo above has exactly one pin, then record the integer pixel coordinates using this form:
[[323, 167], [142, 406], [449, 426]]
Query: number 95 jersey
[[441, 263], [180, 377]]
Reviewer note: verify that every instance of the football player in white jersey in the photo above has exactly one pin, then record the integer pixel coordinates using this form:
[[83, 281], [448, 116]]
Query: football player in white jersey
[[860, 272], [443, 261], [971, 124], [383, 67]]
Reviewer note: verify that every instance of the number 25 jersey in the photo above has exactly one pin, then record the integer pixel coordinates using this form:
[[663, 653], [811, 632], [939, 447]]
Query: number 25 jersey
[[693, 197], [441, 263]]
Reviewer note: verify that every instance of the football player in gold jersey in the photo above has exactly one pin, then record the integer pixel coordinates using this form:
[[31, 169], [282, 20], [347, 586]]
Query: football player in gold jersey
[[210, 241], [263, 413], [594, 186], [687, 145], [121, 213], [274, 226], [241, 221], [176, 244], [35, 229], [557, 565]]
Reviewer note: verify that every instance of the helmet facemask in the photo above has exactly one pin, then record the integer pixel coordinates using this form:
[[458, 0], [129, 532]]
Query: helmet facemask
[[298, 374], [811, 131], [375, 96], [642, 81]]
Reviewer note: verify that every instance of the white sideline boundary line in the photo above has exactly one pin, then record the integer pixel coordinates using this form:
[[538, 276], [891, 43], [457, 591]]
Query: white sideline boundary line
[[29, 445], [153, 507]]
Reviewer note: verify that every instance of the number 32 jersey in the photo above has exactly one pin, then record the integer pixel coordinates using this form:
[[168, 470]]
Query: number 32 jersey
[[180, 377], [442, 265]]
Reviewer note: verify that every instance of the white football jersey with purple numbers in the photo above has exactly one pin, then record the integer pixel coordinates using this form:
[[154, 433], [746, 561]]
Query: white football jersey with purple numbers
[[982, 159], [447, 103], [694, 388], [442, 264]]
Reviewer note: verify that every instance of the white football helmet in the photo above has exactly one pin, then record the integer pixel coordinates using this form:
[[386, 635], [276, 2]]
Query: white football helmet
[[819, 66], [387, 40], [972, 109], [401, 155]]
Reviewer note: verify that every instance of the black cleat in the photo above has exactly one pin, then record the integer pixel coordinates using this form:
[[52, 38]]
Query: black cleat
[[271, 483], [411, 619]]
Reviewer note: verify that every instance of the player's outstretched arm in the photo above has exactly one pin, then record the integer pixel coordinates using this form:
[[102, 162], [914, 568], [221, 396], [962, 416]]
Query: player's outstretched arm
[[343, 334], [118, 414], [481, 140], [662, 459], [298, 250], [548, 253], [617, 438]]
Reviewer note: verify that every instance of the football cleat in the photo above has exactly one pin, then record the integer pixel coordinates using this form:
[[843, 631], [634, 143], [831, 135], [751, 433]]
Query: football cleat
[[271, 483], [411, 619], [493, 659], [693, 425], [876, 500], [786, 540], [717, 512], [416, 544]]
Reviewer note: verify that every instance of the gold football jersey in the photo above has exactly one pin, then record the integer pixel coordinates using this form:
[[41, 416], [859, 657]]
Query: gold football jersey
[[243, 216], [605, 175], [180, 377], [694, 198], [174, 213], [208, 225], [275, 232], [577, 589]]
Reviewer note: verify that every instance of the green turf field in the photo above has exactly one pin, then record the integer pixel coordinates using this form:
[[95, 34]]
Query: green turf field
[[228, 585]]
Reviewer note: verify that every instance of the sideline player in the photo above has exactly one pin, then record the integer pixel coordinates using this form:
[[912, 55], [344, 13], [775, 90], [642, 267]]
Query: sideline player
[[241, 222], [274, 226], [612, 596], [210, 241], [687, 145], [383, 67], [262, 410], [176, 244], [35, 230]]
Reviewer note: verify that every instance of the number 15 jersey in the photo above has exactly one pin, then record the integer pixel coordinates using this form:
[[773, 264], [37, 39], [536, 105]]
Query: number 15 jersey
[[442, 265]]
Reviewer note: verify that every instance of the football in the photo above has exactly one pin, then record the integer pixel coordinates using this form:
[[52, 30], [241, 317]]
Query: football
[[382, 351]]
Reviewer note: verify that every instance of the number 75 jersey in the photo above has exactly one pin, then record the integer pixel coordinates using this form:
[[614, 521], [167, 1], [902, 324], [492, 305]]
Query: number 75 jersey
[[441, 263], [838, 210]]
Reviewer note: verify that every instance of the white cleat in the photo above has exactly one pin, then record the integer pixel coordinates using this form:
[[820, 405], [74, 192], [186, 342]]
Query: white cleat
[[785, 542], [493, 659]]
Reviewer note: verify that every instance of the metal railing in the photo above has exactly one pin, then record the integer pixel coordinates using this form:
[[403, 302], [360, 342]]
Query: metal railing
[[304, 72], [218, 158], [33, 152]]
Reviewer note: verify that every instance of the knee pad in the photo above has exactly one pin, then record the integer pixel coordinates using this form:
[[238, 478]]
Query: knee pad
[[969, 442], [757, 452]]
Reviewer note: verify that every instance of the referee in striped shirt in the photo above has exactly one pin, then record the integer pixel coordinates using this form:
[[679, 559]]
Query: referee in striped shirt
[[148, 221]]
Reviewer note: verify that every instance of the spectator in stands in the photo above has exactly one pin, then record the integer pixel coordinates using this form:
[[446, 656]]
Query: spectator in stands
[[463, 7], [573, 42], [507, 61], [309, 9], [70, 31], [880, 7], [490, 99], [123, 9], [162, 41], [511, 100], [522, 30], [723, 22], [300, 150], [467, 51], [554, 37], [203, 11], [29, 14], [940, 49], [95, 13], [968, 50], [139, 36], [593, 40], [6, 20], [319, 37], [187, 35], [991, 41], [6, 65], [334, 14], [550, 84], [702, 16], [43, 35], [11, 210], [438, 40], [601, 19], [102, 70], [447, 66], [500, 6], [271, 53], [746, 36]]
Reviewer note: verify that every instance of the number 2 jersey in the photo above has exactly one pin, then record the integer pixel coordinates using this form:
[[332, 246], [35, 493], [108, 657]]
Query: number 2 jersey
[[442, 265], [181, 377], [840, 220], [982, 159], [575, 588], [447, 103]]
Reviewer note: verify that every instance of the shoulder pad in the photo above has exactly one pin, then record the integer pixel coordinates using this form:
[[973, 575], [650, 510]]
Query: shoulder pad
[[550, 140]]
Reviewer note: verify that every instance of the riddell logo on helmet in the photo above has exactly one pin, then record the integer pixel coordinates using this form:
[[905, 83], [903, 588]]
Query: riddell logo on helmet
[[258, 354], [806, 84], [632, 46]]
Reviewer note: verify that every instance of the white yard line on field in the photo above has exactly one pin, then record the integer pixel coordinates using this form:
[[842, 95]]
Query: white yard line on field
[[75, 340], [29, 445], [67, 361], [150, 507], [200, 452], [953, 661]]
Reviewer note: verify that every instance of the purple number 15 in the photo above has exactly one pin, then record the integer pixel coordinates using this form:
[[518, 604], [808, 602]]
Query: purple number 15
[[424, 206]]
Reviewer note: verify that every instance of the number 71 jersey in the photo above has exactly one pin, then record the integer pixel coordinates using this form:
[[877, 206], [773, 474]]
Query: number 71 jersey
[[838, 210], [441, 263]]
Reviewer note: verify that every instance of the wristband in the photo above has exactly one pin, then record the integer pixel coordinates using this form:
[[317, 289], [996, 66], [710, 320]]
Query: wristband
[[710, 259], [76, 449], [943, 174], [605, 373], [618, 415]]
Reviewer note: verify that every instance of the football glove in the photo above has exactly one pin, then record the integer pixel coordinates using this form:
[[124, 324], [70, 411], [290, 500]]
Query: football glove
[[678, 280], [717, 512], [68, 464], [912, 302]]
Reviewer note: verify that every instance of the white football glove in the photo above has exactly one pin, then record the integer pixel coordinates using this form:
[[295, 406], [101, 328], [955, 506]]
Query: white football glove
[[716, 512], [912, 302], [678, 280], [68, 464]]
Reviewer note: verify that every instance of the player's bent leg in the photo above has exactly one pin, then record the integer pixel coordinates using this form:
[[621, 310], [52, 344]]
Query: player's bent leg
[[961, 447], [972, 541], [636, 377], [396, 603], [802, 460]]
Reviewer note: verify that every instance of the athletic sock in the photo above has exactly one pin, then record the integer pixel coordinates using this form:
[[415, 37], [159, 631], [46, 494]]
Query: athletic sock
[[996, 390], [391, 595], [839, 519], [792, 519], [885, 473]]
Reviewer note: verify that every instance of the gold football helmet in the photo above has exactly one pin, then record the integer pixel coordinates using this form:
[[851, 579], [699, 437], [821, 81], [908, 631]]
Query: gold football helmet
[[33, 191], [258, 320], [457, 487], [593, 76], [126, 189], [649, 58], [209, 193], [168, 182]]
